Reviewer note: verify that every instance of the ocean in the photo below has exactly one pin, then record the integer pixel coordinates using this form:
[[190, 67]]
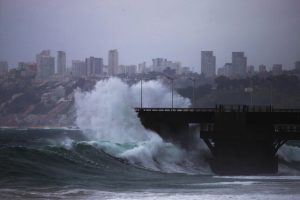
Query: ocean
[[112, 156], [64, 164]]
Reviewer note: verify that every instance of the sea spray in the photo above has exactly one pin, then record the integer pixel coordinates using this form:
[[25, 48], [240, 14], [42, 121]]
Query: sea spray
[[106, 115], [107, 111], [155, 94], [289, 160]]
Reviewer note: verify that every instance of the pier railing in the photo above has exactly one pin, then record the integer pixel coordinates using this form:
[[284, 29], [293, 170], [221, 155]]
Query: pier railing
[[176, 109], [221, 108]]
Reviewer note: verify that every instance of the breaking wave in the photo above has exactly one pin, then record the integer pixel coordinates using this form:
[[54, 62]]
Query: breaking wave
[[107, 117]]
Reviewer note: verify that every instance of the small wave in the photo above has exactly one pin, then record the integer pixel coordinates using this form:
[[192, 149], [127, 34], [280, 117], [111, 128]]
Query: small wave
[[220, 183], [163, 195]]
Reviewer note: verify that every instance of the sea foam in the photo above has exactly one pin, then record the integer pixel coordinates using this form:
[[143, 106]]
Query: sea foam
[[107, 116]]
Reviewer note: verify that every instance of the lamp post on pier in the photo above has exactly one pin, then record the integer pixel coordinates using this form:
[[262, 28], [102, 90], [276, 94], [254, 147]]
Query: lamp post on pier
[[194, 85], [172, 80], [271, 95], [250, 90], [141, 91]]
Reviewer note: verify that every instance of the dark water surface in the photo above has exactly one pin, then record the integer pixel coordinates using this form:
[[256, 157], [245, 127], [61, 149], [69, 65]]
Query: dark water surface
[[65, 164]]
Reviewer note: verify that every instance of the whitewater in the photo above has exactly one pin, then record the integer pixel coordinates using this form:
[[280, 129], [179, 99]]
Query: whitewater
[[112, 156]]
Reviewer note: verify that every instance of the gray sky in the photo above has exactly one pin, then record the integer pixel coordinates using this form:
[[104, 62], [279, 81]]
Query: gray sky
[[267, 30]]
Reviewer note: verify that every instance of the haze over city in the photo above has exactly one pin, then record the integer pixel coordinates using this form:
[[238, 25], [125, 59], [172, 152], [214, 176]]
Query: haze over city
[[267, 31]]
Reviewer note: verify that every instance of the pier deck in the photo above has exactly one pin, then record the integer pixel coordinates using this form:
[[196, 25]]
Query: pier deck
[[242, 139]]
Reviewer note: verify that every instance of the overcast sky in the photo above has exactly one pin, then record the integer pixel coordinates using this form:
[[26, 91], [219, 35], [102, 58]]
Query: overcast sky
[[267, 30]]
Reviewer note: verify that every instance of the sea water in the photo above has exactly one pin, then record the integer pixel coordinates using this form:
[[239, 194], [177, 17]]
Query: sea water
[[112, 156]]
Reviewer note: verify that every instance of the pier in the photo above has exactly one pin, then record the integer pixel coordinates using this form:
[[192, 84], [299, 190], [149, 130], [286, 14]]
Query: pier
[[243, 140]]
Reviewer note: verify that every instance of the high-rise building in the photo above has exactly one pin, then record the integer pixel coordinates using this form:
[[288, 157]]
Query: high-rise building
[[174, 66], [27, 69], [208, 63], [239, 64], [250, 70], [113, 62], [141, 68], [161, 64], [262, 68], [158, 64], [79, 68], [121, 70], [3, 68], [226, 70], [130, 70], [61, 63], [94, 66], [45, 65]]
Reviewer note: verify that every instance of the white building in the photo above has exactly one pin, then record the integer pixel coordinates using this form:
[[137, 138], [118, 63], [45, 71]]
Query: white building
[[141, 68], [79, 68], [121, 69], [161, 64], [45, 65], [158, 64], [130, 70]]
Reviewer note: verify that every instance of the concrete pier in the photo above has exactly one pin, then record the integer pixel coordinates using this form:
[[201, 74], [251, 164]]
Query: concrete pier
[[242, 139]]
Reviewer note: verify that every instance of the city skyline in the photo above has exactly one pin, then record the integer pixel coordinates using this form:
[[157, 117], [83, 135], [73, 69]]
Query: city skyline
[[94, 66], [197, 69], [105, 62], [178, 30]]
